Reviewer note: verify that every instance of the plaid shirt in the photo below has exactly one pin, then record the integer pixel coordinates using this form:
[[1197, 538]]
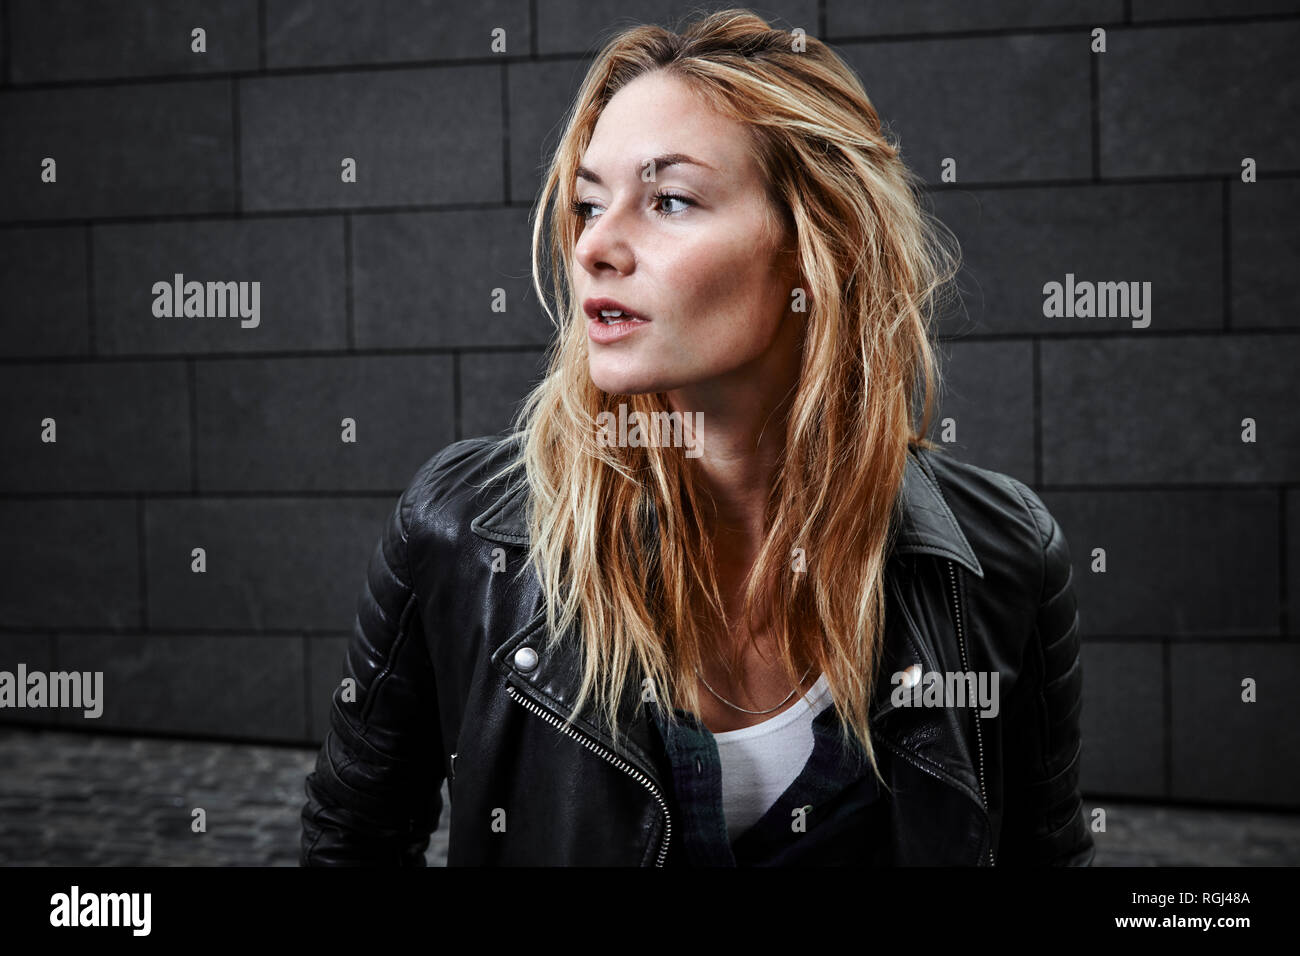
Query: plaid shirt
[[841, 819]]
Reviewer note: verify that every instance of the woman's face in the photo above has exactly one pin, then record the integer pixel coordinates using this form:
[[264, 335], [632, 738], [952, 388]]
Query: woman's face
[[697, 266]]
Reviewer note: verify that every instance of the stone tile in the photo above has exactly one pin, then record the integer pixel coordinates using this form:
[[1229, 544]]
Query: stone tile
[[86, 39], [1263, 235], [1222, 9], [325, 657], [418, 136], [492, 387], [1227, 750], [1122, 721], [583, 26], [428, 280], [290, 564], [1015, 241], [1172, 100], [228, 685], [131, 149], [119, 427], [1291, 532], [988, 392], [70, 564], [276, 424], [1178, 563], [334, 32], [43, 286], [934, 97], [1144, 410], [540, 95], [297, 263], [880, 17]]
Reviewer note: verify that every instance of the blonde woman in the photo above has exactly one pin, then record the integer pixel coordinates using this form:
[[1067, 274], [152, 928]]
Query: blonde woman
[[714, 600]]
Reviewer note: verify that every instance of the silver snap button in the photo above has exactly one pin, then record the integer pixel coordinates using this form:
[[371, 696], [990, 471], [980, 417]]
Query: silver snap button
[[525, 658]]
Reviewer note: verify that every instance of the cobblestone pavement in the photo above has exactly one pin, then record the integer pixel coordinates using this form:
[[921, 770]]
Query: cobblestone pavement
[[99, 800]]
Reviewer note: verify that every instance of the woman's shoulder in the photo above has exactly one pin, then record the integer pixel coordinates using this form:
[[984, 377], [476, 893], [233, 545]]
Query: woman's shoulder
[[458, 482], [1005, 520]]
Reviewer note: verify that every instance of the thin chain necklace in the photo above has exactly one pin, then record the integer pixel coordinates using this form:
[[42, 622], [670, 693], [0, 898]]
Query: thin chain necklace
[[744, 710]]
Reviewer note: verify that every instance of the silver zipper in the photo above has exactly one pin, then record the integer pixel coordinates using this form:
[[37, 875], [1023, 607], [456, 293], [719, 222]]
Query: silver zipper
[[979, 737], [605, 754]]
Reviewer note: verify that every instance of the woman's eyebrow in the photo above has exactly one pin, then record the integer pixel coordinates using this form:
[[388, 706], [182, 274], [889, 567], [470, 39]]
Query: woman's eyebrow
[[668, 159]]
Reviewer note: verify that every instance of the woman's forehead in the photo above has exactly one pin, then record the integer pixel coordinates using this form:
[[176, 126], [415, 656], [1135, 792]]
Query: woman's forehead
[[657, 115]]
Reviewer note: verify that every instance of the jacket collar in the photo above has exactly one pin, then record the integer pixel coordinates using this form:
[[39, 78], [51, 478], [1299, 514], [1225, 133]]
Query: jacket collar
[[927, 526]]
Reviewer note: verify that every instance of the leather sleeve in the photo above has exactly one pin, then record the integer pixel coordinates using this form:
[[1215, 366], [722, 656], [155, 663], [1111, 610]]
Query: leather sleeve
[[1043, 820], [375, 794]]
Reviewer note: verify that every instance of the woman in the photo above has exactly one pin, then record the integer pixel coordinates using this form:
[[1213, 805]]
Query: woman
[[715, 600]]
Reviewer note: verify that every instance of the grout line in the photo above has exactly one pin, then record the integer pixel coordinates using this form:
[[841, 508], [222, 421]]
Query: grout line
[[306, 686], [142, 564], [191, 377], [1284, 620], [1227, 253], [296, 72], [413, 351], [236, 159], [8, 52], [505, 129], [162, 632], [261, 36], [92, 340], [455, 395], [348, 307], [1094, 112], [1038, 413], [1168, 691]]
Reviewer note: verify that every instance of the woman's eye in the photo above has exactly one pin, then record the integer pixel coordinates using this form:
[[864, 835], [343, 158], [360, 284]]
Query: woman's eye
[[580, 209], [668, 197], [583, 210]]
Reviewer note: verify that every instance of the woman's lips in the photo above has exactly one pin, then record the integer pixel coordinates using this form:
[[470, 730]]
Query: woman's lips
[[598, 304], [603, 333]]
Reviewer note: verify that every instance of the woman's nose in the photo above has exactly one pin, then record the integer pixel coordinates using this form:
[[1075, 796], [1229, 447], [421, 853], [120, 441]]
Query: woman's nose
[[605, 241]]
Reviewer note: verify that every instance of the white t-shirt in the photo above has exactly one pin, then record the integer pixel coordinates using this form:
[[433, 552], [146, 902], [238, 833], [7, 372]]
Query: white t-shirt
[[760, 762]]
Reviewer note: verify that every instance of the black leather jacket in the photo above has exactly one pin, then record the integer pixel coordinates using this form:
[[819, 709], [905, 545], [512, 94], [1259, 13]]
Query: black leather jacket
[[445, 687]]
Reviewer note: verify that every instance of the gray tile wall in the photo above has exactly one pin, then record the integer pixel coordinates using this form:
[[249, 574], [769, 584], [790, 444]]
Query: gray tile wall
[[178, 433]]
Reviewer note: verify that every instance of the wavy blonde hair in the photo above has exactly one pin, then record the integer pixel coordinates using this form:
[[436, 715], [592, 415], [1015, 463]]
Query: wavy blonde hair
[[616, 534]]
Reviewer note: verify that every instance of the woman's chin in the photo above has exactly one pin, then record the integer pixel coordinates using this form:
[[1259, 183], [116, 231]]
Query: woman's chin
[[622, 382]]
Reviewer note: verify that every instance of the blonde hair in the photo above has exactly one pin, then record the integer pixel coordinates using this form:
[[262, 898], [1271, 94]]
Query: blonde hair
[[616, 535]]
